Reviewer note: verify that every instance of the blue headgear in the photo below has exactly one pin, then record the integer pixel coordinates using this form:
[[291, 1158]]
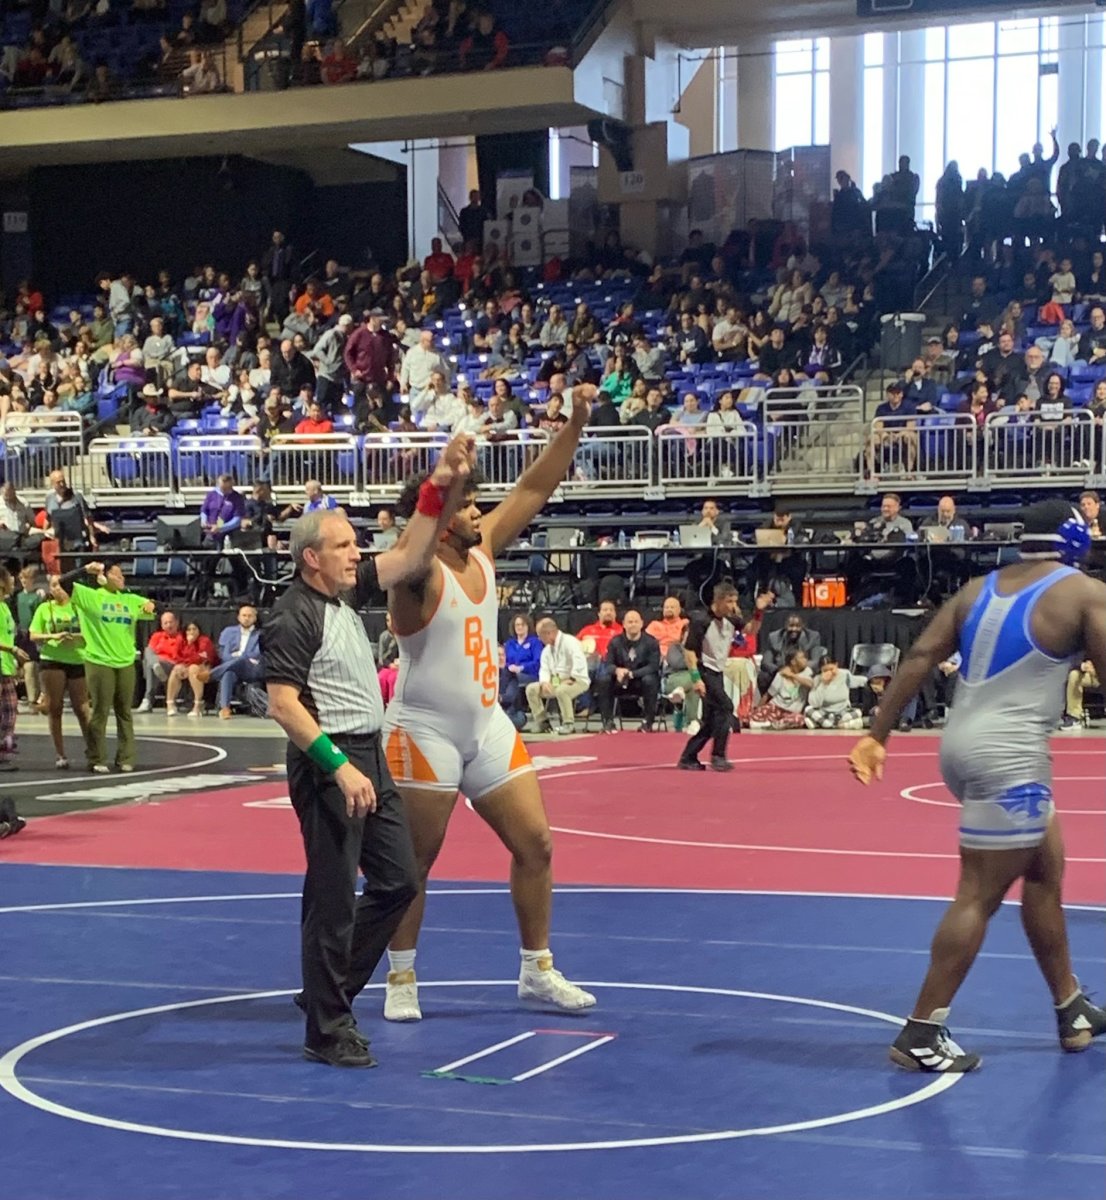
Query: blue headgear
[[1054, 530], [1074, 539]]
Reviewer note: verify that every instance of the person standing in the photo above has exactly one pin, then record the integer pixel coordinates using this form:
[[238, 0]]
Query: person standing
[[11, 662], [323, 692], [56, 630], [446, 732], [706, 649], [108, 613], [1019, 631]]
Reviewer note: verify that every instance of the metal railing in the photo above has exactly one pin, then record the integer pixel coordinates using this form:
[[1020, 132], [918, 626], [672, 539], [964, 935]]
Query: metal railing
[[606, 463], [34, 444], [788, 455], [126, 470], [1023, 448], [331, 459], [690, 462], [199, 460]]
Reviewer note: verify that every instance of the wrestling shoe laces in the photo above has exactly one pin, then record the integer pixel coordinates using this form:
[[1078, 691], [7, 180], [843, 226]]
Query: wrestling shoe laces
[[401, 997], [928, 1046], [541, 985], [1079, 1021]]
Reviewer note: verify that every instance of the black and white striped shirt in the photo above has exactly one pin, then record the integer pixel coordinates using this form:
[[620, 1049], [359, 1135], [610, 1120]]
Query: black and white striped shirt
[[318, 645]]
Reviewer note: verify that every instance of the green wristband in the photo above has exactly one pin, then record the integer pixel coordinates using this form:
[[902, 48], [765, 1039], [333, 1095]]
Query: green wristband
[[325, 755], [696, 677]]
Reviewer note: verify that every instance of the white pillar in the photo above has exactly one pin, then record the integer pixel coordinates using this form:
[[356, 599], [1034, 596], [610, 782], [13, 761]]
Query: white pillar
[[1070, 123], [911, 108], [727, 98], [756, 87], [846, 103]]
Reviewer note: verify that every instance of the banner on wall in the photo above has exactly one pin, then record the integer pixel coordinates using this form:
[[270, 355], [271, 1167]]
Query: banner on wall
[[727, 191], [583, 208]]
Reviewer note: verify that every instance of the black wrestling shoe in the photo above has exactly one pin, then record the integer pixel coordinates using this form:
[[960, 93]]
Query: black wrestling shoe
[[928, 1046], [1079, 1021], [690, 764], [345, 1051]]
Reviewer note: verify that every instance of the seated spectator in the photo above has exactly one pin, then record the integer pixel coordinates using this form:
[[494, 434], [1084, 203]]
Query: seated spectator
[[946, 517], [162, 653], [388, 534], [438, 408], [16, 517], [739, 672], [239, 658], [877, 684], [829, 705], [387, 660], [690, 345], [786, 697], [562, 676], [201, 76], [633, 662], [154, 418], [339, 65], [781, 644], [596, 637], [938, 690], [486, 47], [894, 433], [316, 501], [1083, 677], [521, 667], [316, 421], [197, 657], [553, 420], [1091, 507]]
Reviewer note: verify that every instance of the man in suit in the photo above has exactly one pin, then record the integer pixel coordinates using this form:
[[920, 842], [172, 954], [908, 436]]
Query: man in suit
[[239, 657]]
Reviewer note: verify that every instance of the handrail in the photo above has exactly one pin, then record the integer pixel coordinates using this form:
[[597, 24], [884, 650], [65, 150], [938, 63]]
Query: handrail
[[940, 270], [446, 208]]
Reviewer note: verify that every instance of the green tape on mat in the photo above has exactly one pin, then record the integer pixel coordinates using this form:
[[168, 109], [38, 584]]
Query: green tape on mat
[[464, 1078]]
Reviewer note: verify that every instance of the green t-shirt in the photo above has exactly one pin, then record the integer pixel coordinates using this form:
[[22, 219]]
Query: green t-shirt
[[107, 622], [51, 617], [25, 605], [8, 664]]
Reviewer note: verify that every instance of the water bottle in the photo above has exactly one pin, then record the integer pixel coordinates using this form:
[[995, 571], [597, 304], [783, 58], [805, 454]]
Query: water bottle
[[675, 537], [622, 539]]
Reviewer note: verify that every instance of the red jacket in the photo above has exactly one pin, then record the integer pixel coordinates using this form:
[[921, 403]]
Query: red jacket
[[201, 651], [601, 635], [167, 645]]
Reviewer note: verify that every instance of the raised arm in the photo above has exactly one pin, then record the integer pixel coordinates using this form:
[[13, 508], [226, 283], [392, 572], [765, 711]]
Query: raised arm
[[439, 499], [541, 479]]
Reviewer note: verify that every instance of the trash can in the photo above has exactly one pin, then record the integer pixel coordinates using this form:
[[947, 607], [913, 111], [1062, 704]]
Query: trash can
[[900, 341]]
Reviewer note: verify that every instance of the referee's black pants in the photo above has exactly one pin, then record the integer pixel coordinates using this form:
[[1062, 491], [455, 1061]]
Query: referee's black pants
[[343, 935], [716, 720]]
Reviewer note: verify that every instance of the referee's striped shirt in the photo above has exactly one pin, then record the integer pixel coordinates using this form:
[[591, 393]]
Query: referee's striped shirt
[[318, 645]]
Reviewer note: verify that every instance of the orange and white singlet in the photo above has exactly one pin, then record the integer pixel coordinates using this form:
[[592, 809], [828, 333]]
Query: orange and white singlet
[[444, 728]]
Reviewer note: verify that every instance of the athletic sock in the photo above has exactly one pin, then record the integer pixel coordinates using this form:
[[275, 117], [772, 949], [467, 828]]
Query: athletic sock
[[401, 960], [531, 958], [1074, 996]]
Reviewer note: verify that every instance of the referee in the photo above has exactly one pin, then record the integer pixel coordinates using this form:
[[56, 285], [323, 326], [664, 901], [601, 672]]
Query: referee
[[706, 649], [323, 692]]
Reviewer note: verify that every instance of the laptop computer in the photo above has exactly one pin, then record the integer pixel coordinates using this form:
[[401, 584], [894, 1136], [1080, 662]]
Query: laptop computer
[[560, 537], [695, 535], [384, 540], [1003, 531], [770, 537], [936, 533]]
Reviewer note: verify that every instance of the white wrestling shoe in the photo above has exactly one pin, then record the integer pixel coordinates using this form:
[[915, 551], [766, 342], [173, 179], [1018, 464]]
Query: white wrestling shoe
[[540, 985], [401, 997]]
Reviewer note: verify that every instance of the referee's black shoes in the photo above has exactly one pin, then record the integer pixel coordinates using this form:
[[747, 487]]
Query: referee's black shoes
[[349, 1049]]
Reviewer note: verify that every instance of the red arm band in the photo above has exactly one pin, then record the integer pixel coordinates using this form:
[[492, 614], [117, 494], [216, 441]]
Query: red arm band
[[431, 500]]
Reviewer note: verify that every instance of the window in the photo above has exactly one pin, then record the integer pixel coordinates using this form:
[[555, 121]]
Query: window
[[980, 94], [801, 92]]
